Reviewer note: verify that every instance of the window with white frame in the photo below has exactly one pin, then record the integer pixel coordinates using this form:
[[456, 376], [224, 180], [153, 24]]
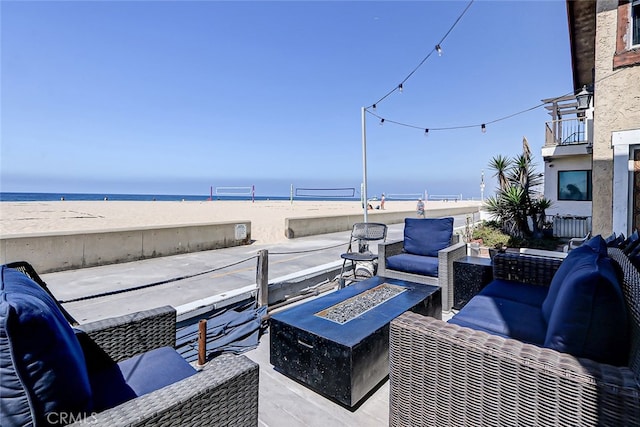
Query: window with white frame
[[635, 23], [574, 185], [628, 34]]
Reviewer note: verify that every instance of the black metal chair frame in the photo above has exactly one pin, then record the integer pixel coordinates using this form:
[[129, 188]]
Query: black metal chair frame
[[362, 234]]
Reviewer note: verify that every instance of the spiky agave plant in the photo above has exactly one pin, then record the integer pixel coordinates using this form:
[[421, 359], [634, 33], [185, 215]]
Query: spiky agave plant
[[517, 199]]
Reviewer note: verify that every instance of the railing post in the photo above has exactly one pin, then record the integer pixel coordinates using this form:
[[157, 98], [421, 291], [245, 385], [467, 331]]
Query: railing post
[[202, 342], [262, 277]]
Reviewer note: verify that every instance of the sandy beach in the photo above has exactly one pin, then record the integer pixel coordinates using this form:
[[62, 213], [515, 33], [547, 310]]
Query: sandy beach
[[267, 217]]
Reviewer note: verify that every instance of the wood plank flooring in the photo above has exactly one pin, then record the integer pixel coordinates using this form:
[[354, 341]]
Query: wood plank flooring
[[285, 402]]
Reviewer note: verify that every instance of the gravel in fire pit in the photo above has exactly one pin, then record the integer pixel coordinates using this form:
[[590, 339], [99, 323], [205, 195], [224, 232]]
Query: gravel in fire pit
[[355, 306]]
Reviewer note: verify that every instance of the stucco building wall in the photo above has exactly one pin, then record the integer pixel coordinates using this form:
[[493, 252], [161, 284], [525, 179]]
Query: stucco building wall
[[616, 108]]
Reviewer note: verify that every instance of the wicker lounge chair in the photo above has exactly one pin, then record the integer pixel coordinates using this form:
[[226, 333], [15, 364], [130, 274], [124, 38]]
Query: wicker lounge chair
[[422, 231], [224, 392], [442, 374]]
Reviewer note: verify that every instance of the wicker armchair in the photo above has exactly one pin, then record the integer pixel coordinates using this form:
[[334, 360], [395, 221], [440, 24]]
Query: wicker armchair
[[446, 375], [446, 257], [223, 393]]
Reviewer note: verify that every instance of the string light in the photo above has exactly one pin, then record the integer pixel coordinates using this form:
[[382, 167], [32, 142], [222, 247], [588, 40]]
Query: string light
[[483, 126], [438, 49]]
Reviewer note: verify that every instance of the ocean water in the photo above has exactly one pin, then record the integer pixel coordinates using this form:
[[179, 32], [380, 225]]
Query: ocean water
[[47, 197]]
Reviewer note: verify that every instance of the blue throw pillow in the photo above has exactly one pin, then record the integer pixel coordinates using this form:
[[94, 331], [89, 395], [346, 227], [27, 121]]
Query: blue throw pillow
[[43, 366], [582, 254], [630, 242], [634, 252], [631, 246], [617, 241], [427, 236], [589, 318], [610, 241], [598, 245]]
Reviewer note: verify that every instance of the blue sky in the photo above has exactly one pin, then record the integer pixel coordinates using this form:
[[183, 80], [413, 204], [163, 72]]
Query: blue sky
[[174, 97]]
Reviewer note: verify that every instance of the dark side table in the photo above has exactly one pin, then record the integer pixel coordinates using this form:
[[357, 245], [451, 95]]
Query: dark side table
[[470, 275]]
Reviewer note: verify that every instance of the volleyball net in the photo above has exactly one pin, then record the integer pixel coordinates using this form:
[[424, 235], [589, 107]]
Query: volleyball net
[[240, 192], [445, 197], [405, 196], [323, 193]]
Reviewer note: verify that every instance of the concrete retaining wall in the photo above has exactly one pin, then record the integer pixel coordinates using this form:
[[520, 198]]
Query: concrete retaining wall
[[49, 252], [310, 226]]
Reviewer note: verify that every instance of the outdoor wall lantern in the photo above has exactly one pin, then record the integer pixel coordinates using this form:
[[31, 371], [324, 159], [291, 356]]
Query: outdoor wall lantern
[[584, 98]]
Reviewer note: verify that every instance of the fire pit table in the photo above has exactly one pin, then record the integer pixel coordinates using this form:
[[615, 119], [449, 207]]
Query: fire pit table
[[338, 344]]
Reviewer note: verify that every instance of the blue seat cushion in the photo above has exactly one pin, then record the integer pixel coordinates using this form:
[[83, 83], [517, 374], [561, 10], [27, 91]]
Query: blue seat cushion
[[471, 325], [583, 254], [417, 264], [138, 376], [426, 236], [42, 364], [589, 318], [503, 317], [524, 293]]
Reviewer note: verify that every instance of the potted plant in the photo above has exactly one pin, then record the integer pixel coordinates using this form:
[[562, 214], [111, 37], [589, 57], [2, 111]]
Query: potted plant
[[498, 248]]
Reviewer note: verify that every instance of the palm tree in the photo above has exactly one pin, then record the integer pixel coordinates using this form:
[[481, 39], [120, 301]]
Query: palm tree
[[517, 202], [501, 164]]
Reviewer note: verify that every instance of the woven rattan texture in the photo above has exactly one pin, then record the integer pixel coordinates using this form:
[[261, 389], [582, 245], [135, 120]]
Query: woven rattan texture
[[525, 268], [369, 231], [224, 393], [125, 336], [631, 291], [446, 375]]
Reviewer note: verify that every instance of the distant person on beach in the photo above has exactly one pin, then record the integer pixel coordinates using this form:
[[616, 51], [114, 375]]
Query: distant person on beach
[[369, 207], [420, 208], [382, 201]]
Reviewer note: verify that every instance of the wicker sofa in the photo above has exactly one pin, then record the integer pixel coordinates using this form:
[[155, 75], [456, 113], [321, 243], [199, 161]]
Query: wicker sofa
[[443, 374], [41, 381], [425, 255]]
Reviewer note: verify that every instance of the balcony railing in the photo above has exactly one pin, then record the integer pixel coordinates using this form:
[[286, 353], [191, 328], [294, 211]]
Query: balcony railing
[[566, 132], [569, 226]]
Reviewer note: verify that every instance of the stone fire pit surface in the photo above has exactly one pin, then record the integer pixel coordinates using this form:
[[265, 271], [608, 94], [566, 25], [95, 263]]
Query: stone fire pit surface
[[354, 331], [355, 306], [345, 361]]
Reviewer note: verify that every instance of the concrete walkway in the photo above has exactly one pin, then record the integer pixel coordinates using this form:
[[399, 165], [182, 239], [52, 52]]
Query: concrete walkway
[[228, 272]]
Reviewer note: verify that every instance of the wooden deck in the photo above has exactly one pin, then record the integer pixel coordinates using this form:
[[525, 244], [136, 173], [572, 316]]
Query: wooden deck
[[285, 402]]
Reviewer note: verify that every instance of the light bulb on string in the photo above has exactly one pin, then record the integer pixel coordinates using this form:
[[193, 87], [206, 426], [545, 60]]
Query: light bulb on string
[[483, 128], [381, 122], [374, 107], [439, 50], [400, 87], [426, 132]]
